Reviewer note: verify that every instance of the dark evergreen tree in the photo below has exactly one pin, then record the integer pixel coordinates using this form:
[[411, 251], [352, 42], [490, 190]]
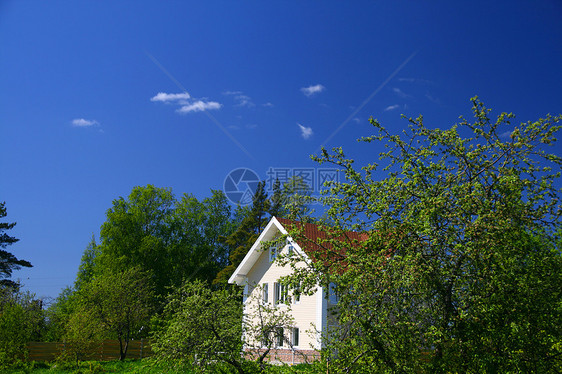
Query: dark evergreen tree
[[277, 200], [8, 262], [241, 240]]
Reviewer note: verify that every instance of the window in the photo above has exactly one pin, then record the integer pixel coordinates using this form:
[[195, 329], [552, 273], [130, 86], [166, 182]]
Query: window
[[295, 337], [279, 293], [333, 295], [297, 294], [279, 336], [272, 253], [265, 293], [290, 248]]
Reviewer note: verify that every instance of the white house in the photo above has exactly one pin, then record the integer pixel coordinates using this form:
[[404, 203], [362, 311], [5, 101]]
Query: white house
[[259, 274]]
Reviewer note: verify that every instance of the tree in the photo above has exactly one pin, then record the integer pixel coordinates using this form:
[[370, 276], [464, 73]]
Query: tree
[[265, 325], [21, 321], [86, 270], [137, 232], [120, 304], [460, 270], [58, 313], [8, 262], [173, 240], [202, 327], [198, 225], [242, 239]]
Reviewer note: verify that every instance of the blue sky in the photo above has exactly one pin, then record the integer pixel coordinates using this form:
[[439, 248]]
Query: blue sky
[[98, 97]]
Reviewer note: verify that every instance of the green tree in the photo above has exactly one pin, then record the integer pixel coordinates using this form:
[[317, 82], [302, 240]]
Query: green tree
[[198, 253], [202, 327], [86, 270], [120, 304], [58, 314], [21, 321], [242, 239], [459, 269], [174, 240], [137, 232], [8, 262], [296, 197], [265, 324]]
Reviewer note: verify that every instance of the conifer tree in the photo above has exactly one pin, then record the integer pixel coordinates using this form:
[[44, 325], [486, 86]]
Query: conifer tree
[[8, 262]]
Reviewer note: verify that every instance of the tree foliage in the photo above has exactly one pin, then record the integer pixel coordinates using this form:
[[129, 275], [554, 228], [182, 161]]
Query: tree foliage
[[119, 305], [291, 197], [242, 239], [174, 240], [264, 325], [8, 262], [460, 270], [202, 327], [21, 321]]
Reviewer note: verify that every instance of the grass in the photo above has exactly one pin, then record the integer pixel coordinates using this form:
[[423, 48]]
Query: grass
[[94, 367], [147, 366]]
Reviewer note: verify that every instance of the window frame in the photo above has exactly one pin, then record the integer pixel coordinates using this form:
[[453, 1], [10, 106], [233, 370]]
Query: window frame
[[265, 293], [273, 253], [295, 332]]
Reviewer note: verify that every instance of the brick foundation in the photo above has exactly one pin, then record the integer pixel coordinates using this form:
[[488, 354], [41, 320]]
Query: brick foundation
[[286, 356]]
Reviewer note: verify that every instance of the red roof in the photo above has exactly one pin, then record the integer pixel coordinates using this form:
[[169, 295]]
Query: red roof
[[317, 241]]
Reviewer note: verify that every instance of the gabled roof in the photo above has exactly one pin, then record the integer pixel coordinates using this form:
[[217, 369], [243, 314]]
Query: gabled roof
[[317, 243], [306, 244], [268, 234]]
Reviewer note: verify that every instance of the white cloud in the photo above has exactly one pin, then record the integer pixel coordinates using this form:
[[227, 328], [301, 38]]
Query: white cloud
[[81, 122], [165, 97], [415, 80], [312, 90], [391, 107], [306, 132], [251, 126], [244, 100], [506, 135], [240, 98], [400, 93], [434, 100], [356, 120], [268, 105], [199, 106]]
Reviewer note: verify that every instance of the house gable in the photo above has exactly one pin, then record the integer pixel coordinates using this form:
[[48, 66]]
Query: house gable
[[273, 228]]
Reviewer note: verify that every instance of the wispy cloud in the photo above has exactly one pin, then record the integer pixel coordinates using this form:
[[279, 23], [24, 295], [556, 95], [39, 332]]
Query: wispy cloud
[[240, 99], [268, 105], [167, 97], [186, 103], [81, 122], [199, 106], [433, 99], [356, 120], [506, 135], [312, 90], [415, 80], [251, 126], [391, 107], [306, 132], [400, 93]]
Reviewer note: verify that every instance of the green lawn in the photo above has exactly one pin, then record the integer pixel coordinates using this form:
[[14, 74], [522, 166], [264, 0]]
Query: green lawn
[[91, 367], [137, 366]]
